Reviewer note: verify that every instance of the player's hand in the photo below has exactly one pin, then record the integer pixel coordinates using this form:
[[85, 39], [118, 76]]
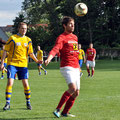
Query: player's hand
[[47, 62], [40, 61]]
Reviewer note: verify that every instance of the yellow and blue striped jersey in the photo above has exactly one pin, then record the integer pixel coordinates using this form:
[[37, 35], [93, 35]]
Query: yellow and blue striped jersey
[[81, 54], [1, 54], [40, 55], [18, 49]]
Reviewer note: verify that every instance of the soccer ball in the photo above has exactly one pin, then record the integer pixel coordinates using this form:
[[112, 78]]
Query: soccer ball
[[81, 9]]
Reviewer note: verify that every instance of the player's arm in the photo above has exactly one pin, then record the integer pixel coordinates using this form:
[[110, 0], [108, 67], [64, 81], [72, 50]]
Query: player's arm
[[84, 58], [55, 50], [50, 57], [94, 55], [2, 60]]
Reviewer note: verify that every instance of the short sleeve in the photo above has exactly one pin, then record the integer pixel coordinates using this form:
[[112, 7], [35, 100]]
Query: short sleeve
[[30, 48]]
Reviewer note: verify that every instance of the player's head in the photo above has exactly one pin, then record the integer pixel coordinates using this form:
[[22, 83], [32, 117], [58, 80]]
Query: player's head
[[22, 28], [91, 45], [79, 46], [38, 47], [68, 24]]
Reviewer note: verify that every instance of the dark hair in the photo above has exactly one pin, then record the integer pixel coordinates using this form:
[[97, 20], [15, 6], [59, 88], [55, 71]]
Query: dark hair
[[66, 19], [20, 24]]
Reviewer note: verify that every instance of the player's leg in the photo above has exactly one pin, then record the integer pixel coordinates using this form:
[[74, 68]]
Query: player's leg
[[81, 62], [69, 76], [23, 75], [87, 66], [66, 95], [93, 70], [72, 98], [41, 67], [69, 105], [27, 93], [3, 71], [10, 75]]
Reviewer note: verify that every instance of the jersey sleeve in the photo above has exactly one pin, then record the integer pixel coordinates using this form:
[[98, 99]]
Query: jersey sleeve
[[83, 52], [8, 44], [94, 51], [58, 45], [30, 48]]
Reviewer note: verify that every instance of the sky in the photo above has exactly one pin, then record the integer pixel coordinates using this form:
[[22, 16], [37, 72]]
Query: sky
[[9, 9]]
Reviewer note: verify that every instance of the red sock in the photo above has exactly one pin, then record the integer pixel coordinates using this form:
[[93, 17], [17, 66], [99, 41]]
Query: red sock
[[88, 71], [64, 98], [68, 105], [92, 72]]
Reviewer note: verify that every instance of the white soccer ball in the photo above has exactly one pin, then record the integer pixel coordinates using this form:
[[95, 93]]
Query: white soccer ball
[[81, 9]]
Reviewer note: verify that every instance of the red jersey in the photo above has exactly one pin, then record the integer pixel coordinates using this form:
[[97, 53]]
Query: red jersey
[[91, 52], [67, 46]]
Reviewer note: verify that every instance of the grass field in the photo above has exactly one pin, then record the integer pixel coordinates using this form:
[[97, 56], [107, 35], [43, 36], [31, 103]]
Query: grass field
[[99, 97]]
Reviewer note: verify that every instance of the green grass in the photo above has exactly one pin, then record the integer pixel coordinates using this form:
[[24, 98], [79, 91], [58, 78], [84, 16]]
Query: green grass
[[99, 97]]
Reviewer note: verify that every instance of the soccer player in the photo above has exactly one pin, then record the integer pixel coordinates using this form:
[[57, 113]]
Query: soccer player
[[18, 47], [40, 57], [81, 57], [90, 57], [67, 45], [5, 63]]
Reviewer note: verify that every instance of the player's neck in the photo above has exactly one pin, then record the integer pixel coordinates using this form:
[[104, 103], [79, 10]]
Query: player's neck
[[20, 35], [67, 32]]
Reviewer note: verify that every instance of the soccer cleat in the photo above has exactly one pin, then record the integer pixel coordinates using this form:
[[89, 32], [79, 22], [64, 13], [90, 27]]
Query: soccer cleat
[[2, 77], [57, 113], [91, 75], [45, 72], [7, 106], [39, 73], [67, 115], [29, 107], [88, 75]]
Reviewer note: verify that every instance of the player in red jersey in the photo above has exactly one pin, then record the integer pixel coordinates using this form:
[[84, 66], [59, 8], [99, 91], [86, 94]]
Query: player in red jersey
[[67, 45], [90, 57]]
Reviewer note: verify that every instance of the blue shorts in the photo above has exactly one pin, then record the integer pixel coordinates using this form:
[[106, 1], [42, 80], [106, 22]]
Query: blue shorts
[[81, 62], [5, 64], [22, 72], [39, 64]]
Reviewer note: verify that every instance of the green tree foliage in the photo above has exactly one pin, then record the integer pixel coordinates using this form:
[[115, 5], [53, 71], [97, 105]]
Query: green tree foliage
[[16, 21], [100, 26]]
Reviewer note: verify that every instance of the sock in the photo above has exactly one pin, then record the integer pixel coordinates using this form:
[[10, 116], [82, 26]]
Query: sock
[[68, 105], [42, 68], [2, 73], [27, 94], [92, 72], [64, 98], [88, 71], [8, 94]]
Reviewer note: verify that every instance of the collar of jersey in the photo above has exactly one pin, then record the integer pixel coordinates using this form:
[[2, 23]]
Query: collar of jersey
[[20, 35]]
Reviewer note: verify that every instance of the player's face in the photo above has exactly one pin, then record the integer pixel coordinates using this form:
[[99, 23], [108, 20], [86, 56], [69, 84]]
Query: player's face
[[23, 29], [91, 45], [70, 26], [38, 47], [79, 46]]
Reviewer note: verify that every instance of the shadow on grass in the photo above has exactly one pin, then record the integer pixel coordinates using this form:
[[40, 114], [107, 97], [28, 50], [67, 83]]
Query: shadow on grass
[[36, 118]]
